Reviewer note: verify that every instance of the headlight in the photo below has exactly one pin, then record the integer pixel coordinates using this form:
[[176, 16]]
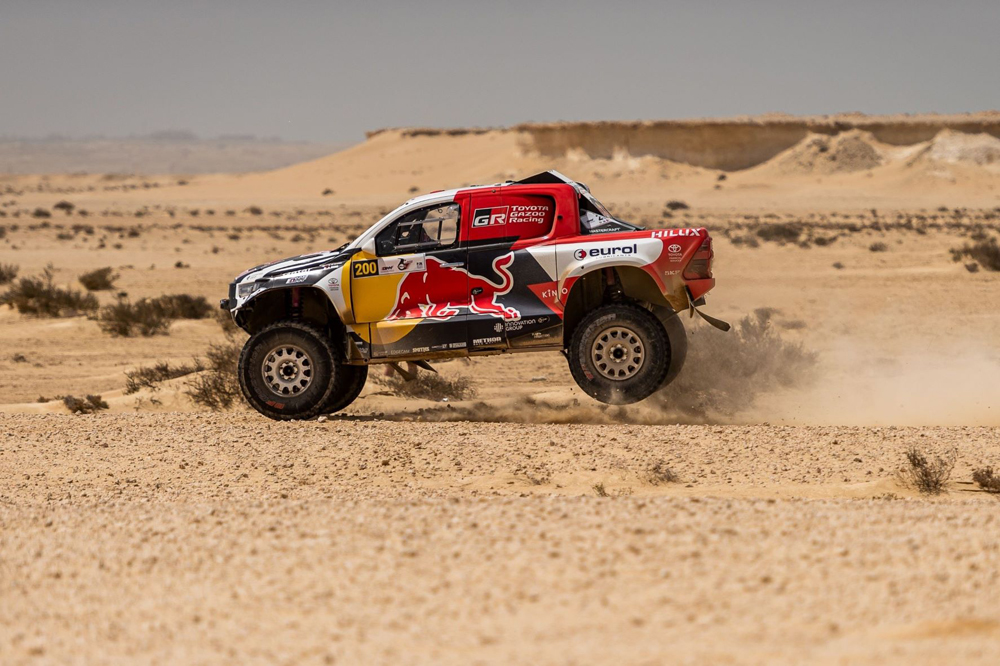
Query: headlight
[[246, 289]]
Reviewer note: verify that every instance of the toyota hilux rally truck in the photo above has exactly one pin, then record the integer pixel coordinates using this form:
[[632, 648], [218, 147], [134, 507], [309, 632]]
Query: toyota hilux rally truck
[[533, 265]]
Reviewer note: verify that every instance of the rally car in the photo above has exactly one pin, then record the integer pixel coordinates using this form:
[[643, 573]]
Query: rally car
[[533, 265]]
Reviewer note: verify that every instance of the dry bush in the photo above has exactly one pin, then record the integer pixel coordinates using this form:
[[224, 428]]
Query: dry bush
[[987, 479], [986, 252], [217, 386], [101, 279], [878, 246], [183, 306], [88, 405], [427, 385], [659, 473], [126, 319], [225, 320], [151, 377], [7, 273], [927, 476], [65, 206], [677, 205], [150, 316], [781, 232], [39, 296], [747, 240], [725, 372], [600, 490]]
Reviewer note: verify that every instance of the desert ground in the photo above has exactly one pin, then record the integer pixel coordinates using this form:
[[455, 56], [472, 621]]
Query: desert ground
[[754, 512]]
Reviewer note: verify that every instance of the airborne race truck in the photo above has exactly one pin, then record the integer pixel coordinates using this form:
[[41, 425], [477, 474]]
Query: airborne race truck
[[533, 265]]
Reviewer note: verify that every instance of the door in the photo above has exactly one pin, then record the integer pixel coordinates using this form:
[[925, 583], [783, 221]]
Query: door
[[511, 270], [414, 293]]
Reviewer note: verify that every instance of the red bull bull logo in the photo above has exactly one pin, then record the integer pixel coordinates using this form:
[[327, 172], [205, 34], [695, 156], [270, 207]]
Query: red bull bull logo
[[414, 295]]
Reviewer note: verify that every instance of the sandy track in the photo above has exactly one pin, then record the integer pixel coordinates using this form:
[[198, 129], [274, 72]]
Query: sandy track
[[200, 538]]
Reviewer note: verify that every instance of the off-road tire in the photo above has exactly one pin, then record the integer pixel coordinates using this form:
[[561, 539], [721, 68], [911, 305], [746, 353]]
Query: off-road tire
[[348, 380], [620, 329], [306, 348]]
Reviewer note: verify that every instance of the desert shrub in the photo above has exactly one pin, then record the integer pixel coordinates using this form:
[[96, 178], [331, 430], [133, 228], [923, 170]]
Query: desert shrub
[[65, 206], [780, 232], [39, 296], [217, 386], [660, 473], [183, 306], [225, 320], [151, 377], [726, 372], [878, 246], [255, 210], [427, 385], [7, 273], [151, 316], [600, 490], [677, 205], [986, 252], [41, 213], [987, 479], [126, 319], [87, 405], [926, 475], [747, 240], [100, 279]]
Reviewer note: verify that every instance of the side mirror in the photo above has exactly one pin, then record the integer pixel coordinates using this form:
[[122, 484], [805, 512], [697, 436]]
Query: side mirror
[[368, 247]]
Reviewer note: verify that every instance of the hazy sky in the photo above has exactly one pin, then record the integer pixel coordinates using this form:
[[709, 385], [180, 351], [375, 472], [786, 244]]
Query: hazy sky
[[328, 71]]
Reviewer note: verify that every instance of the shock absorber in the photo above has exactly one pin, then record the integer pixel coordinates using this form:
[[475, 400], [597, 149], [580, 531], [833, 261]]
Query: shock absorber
[[295, 307]]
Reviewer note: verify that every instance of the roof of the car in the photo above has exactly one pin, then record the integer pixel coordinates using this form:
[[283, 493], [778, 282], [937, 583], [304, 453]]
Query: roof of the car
[[545, 177]]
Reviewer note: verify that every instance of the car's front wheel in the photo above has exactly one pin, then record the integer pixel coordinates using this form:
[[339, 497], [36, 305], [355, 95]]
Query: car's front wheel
[[619, 354], [286, 371]]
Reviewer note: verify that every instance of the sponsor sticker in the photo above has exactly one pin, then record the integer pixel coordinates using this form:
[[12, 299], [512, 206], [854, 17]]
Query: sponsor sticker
[[296, 279], [674, 233], [479, 342], [413, 263], [497, 215], [605, 251], [489, 217]]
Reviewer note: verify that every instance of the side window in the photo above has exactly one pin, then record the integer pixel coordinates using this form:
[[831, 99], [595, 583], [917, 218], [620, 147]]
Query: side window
[[421, 230]]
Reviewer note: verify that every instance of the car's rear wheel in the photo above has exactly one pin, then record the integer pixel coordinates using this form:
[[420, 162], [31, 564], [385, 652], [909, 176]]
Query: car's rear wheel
[[286, 371], [619, 354], [347, 384]]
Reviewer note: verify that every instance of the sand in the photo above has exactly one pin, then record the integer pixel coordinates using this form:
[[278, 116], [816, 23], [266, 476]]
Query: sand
[[525, 523]]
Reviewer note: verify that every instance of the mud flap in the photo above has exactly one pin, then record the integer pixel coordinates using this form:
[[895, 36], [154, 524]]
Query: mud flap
[[718, 323]]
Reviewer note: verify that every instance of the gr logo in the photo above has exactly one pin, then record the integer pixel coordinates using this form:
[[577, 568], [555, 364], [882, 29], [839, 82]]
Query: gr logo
[[488, 217]]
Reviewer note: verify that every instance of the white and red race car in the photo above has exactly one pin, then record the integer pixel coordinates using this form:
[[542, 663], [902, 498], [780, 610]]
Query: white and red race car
[[533, 265]]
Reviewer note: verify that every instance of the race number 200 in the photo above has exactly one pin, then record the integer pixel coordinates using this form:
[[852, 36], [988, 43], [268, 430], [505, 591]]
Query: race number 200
[[365, 268]]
